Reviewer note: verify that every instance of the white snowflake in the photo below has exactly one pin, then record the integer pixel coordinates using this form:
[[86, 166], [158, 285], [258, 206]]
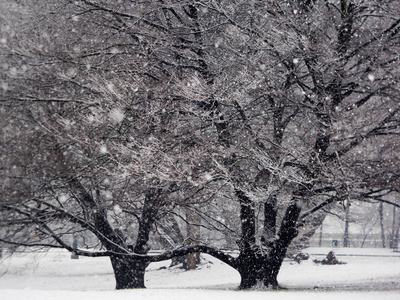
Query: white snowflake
[[208, 176], [218, 43], [63, 198], [371, 77], [110, 87], [117, 115], [108, 195], [117, 209], [103, 149], [13, 71], [4, 85], [72, 72]]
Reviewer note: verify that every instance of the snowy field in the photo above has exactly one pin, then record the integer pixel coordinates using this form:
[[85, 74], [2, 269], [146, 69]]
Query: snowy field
[[367, 274]]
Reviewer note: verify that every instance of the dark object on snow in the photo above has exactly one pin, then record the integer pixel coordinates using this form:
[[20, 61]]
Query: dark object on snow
[[329, 260], [75, 246], [300, 256]]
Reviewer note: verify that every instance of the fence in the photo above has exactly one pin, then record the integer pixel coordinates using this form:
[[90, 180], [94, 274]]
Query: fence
[[355, 240]]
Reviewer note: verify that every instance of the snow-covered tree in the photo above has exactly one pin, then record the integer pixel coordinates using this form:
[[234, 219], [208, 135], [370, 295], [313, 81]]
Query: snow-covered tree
[[257, 115]]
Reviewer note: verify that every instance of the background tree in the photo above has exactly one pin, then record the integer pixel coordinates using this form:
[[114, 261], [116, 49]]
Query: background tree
[[98, 153]]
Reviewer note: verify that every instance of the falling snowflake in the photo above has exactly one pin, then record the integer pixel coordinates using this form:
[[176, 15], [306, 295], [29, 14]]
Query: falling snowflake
[[110, 87], [4, 86], [371, 77], [218, 43], [108, 195], [208, 176], [63, 198], [117, 209], [103, 149], [117, 115], [72, 72]]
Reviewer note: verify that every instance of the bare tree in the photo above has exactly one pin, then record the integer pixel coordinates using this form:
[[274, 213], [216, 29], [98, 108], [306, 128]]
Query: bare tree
[[142, 107]]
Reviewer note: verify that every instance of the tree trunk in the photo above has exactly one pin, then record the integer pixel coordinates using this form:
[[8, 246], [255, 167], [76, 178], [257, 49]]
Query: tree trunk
[[381, 225], [255, 266], [129, 273], [193, 259], [248, 279], [257, 270], [392, 234], [272, 268], [250, 269], [287, 232], [320, 236], [346, 225], [270, 214]]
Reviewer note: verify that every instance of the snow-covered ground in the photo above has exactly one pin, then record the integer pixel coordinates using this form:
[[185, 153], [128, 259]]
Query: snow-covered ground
[[372, 274]]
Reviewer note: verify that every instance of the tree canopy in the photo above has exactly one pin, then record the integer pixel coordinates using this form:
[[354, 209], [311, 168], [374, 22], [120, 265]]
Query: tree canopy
[[255, 116]]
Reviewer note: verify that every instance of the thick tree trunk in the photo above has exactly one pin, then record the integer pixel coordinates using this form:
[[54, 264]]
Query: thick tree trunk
[[129, 273], [287, 232], [273, 264], [270, 214], [258, 271], [250, 269], [248, 280], [271, 274], [193, 259], [259, 266]]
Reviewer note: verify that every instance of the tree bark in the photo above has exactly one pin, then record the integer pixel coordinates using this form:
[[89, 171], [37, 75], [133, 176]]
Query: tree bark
[[381, 225], [346, 225], [255, 265], [394, 236], [128, 272], [270, 214], [250, 268], [287, 232], [256, 269], [192, 259]]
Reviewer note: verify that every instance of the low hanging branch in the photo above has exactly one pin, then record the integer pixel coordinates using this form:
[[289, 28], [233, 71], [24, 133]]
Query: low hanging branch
[[226, 258]]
